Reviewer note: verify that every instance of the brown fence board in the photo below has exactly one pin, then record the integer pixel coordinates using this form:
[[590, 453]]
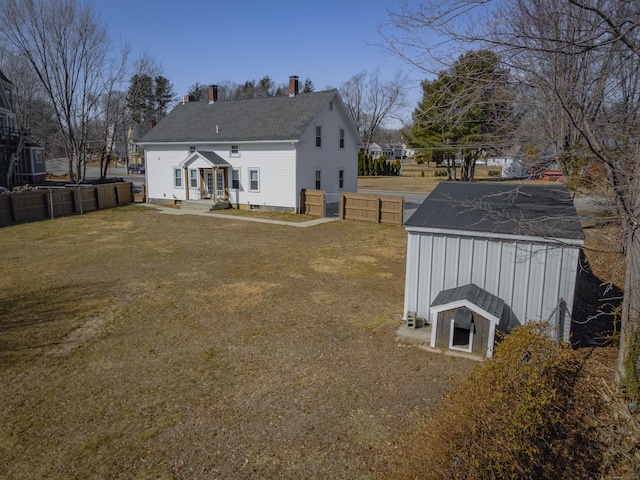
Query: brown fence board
[[312, 202], [6, 210], [106, 195], [37, 205], [371, 208], [124, 193], [30, 207], [63, 202], [86, 199]]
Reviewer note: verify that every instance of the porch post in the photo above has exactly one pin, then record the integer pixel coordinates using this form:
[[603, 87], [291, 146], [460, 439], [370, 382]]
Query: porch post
[[186, 182], [215, 183]]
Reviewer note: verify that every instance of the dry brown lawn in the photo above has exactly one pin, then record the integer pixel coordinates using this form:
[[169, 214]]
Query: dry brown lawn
[[412, 180], [140, 345]]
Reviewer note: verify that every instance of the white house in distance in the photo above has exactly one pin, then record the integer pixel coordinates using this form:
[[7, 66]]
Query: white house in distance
[[483, 257], [253, 154]]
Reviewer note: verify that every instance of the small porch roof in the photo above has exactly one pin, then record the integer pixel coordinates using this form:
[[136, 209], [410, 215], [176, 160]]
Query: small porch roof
[[211, 158], [472, 297]]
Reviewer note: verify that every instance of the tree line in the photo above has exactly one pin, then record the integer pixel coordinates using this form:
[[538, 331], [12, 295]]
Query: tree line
[[375, 167], [80, 97], [561, 76], [265, 87]]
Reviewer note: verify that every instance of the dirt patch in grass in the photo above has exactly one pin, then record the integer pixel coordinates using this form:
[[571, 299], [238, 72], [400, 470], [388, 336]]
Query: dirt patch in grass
[[135, 344]]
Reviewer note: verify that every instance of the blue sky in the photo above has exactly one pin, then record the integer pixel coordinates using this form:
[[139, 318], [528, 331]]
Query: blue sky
[[211, 41]]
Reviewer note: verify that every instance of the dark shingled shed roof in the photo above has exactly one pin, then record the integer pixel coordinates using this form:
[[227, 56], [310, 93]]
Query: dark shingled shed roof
[[526, 210], [474, 294], [256, 119]]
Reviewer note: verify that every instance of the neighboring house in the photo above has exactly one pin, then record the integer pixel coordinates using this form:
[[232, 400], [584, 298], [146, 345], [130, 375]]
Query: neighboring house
[[483, 257], [253, 154], [134, 152], [375, 150], [407, 152], [21, 162], [390, 150]]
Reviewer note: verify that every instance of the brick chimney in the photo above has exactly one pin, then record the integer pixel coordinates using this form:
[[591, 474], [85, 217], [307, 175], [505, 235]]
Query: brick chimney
[[293, 85], [188, 98], [213, 93]]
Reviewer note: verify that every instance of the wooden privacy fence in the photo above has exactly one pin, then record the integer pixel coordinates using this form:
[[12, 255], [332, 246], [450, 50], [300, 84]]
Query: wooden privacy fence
[[50, 202], [312, 202], [371, 208]]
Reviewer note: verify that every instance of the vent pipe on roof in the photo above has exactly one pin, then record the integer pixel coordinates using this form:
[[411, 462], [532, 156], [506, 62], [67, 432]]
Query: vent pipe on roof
[[293, 85]]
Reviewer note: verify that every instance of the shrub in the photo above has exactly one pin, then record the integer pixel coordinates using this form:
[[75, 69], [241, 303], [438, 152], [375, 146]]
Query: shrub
[[422, 174], [494, 173], [509, 418], [440, 173]]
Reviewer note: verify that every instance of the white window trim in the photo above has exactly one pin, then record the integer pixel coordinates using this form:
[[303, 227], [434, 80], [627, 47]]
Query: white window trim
[[175, 177], [316, 179], [237, 170], [341, 187], [193, 178], [341, 140], [460, 349], [254, 170], [315, 136], [233, 154]]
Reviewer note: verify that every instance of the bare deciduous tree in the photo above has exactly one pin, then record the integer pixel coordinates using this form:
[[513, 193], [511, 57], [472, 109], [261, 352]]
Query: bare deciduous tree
[[370, 100], [577, 64], [68, 49]]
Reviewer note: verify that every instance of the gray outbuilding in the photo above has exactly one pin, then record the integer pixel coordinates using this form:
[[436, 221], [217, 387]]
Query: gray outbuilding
[[483, 257]]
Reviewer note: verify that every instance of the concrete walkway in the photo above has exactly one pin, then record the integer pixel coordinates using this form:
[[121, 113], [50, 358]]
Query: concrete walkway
[[206, 213]]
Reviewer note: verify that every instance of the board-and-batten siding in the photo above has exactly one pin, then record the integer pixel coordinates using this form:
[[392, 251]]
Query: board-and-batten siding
[[530, 278]]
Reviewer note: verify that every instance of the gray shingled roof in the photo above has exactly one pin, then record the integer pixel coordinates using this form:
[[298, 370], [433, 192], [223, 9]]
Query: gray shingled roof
[[474, 294], [214, 158], [527, 210], [257, 119]]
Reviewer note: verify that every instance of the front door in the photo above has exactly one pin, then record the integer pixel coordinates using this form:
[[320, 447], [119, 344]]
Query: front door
[[220, 184], [209, 184]]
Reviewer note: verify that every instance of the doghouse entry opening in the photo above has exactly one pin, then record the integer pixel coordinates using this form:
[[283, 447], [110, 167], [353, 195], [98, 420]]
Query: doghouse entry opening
[[462, 330]]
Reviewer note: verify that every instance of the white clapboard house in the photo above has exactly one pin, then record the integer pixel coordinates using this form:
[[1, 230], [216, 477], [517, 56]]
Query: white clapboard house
[[257, 153]]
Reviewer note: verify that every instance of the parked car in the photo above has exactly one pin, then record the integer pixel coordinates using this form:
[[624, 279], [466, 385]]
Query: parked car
[[136, 168]]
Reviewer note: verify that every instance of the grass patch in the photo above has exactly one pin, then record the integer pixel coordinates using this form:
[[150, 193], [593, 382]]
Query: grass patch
[[137, 344]]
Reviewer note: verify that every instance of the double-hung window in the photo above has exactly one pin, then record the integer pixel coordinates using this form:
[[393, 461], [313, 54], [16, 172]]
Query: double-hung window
[[341, 178], [254, 180], [235, 179], [193, 178], [318, 136], [235, 151], [341, 144], [318, 178], [177, 177]]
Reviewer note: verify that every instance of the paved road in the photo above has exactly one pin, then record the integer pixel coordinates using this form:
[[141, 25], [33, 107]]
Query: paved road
[[59, 166]]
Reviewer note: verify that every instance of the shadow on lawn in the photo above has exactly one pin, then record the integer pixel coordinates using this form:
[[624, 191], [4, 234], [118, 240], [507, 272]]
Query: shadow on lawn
[[35, 320], [596, 309]]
